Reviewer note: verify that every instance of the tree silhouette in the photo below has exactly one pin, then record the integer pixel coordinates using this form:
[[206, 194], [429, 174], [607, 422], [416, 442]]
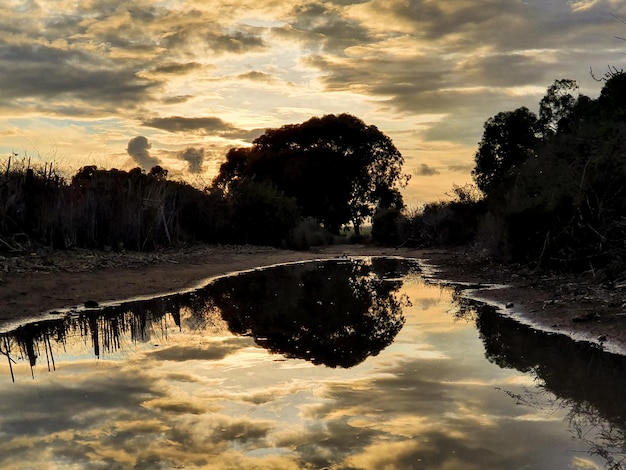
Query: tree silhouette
[[260, 214], [564, 206], [557, 106], [509, 139], [337, 168]]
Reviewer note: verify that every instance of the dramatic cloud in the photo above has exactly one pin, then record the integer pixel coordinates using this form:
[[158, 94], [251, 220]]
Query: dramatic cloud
[[428, 74], [238, 42], [139, 149]]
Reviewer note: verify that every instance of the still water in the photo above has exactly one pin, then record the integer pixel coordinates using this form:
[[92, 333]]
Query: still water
[[343, 364]]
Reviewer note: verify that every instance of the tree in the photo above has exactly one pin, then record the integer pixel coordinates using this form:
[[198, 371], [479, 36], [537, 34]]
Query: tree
[[339, 169], [612, 99], [509, 139], [557, 106]]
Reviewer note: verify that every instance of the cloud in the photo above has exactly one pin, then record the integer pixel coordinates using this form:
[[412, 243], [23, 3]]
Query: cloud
[[177, 68], [194, 157], [207, 125], [57, 76], [425, 170], [139, 149], [256, 76], [321, 26], [461, 168], [248, 61], [237, 42]]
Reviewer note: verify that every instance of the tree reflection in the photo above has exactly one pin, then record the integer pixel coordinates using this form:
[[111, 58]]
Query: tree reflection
[[333, 313], [330, 313], [580, 377]]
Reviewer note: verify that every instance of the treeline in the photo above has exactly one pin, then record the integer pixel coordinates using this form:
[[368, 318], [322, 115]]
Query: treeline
[[550, 187], [294, 187], [138, 210]]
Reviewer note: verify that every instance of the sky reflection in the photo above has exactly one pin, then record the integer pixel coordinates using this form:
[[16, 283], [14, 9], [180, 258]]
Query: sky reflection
[[199, 398]]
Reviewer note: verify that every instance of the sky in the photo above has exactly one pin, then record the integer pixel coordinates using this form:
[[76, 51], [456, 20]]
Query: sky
[[122, 84]]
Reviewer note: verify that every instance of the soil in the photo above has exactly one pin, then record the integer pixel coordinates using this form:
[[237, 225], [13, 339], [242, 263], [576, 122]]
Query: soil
[[32, 286]]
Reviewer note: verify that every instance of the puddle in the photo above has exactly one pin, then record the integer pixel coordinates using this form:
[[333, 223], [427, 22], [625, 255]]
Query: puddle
[[353, 363]]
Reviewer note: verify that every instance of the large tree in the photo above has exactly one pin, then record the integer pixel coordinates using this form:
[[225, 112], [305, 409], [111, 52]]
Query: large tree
[[339, 169]]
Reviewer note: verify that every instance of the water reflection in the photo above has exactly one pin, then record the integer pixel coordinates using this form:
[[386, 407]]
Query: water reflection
[[336, 314], [331, 313], [579, 377], [402, 381]]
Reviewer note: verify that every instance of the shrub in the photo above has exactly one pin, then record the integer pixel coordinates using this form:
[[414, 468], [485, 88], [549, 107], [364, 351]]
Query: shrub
[[309, 233], [386, 227], [261, 215], [447, 223]]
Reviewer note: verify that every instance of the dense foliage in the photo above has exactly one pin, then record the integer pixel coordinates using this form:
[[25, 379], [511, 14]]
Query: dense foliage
[[553, 185], [338, 169], [111, 209]]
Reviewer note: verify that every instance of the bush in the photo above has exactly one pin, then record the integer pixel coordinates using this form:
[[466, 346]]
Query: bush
[[260, 214], [386, 227], [309, 233], [447, 223]]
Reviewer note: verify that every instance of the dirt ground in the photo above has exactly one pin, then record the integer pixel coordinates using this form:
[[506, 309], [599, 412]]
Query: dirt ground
[[31, 286]]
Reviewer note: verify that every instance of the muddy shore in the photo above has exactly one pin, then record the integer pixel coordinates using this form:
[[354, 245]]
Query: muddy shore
[[33, 285]]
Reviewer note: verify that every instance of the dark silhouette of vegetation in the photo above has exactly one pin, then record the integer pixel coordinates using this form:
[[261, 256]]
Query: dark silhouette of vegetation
[[552, 187], [509, 139], [451, 223], [387, 227], [261, 214], [337, 168], [328, 171], [566, 206], [98, 208]]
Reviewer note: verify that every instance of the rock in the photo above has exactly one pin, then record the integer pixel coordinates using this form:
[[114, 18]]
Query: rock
[[91, 304]]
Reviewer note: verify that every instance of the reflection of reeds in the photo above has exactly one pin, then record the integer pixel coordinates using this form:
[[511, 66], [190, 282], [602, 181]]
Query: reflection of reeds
[[605, 439], [103, 329], [580, 377], [7, 353]]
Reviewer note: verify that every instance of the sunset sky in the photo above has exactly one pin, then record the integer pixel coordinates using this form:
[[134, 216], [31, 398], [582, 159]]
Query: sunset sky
[[178, 82]]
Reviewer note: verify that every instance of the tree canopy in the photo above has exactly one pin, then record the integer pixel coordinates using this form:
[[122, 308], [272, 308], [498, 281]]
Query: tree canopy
[[565, 206], [508, 140], [338, 169]]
